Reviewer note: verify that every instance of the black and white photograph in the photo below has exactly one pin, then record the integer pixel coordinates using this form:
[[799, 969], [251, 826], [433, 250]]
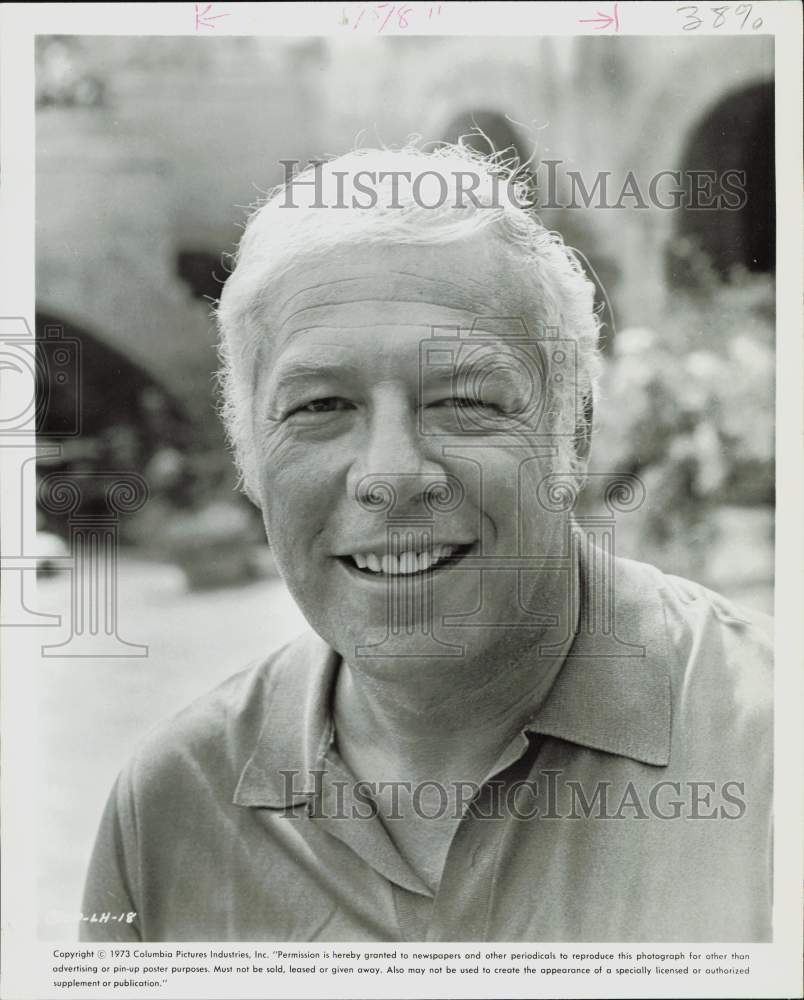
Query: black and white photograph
[[398, 549]]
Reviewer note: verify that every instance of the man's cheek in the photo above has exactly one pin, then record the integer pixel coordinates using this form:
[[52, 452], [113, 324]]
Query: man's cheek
[[294, 508], [494, 495]]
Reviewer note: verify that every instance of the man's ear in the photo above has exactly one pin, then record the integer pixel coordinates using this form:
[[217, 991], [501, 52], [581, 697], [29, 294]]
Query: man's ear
[[245, 484], [583, 429], [250, 493]]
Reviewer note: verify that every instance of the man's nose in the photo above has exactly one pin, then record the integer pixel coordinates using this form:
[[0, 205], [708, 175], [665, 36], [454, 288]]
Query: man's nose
[[396, 468]]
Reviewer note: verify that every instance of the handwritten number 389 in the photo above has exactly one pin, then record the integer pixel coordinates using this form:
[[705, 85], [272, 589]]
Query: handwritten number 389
[[693, 21]]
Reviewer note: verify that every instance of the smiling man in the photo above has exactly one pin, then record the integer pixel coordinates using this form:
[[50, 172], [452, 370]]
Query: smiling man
[[496, 730]]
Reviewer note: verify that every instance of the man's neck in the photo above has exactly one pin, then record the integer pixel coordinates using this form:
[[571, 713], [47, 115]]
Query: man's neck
[[447, 718], [428, 730]]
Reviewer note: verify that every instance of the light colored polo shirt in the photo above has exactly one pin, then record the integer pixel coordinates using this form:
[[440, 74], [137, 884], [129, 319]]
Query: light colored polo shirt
[[634, 806]]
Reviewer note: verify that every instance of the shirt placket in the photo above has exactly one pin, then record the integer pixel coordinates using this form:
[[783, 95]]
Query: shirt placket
[[346, 815], [463, 906]]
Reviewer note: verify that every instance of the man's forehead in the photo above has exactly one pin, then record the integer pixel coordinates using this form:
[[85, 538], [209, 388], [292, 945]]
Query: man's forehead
[[474, 277]]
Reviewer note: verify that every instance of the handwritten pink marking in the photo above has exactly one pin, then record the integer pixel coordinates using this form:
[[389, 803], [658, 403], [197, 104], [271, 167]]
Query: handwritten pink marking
[[603, 20], [387, 17], [203, 18], [402, 11]]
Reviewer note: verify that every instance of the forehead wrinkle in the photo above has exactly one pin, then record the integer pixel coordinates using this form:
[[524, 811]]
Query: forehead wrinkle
[[463, 294], [358, 323], [367, 325], [368, 275]]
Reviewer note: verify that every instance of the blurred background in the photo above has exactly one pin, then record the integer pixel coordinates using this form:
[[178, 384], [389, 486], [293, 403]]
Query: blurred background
[[149, 151]]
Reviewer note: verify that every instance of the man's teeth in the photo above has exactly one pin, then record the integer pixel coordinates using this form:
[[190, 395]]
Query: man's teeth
[[405, 562]]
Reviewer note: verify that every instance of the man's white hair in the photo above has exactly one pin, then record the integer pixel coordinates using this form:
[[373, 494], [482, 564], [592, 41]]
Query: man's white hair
[[276, 238]]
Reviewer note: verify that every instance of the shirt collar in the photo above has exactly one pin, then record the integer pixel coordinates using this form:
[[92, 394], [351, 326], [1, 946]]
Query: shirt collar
[[611, 694], [298, 727]]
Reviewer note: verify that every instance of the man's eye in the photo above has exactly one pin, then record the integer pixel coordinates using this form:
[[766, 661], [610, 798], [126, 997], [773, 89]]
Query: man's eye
[[465, 403], [329, 404]]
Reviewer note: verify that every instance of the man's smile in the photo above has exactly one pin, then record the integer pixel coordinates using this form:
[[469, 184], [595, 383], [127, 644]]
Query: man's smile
[[407, 560]]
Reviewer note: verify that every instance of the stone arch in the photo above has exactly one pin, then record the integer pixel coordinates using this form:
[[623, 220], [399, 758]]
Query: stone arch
[[101, 383], [500, 132], [678, 101], [736, 134], [104, 409]]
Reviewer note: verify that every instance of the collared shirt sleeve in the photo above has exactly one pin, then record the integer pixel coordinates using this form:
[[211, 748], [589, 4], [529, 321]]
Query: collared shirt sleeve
[[109, 908]]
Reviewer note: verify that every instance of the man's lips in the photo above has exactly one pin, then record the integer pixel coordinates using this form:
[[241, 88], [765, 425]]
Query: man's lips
[[407, 561]]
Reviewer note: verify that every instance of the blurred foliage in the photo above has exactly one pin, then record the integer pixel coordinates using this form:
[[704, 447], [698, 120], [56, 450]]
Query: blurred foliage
[[689, 408], [62, 77]]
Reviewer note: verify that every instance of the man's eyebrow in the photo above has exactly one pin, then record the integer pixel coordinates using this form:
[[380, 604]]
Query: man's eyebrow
[[472, 369], [307, 369], [476, 370]]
